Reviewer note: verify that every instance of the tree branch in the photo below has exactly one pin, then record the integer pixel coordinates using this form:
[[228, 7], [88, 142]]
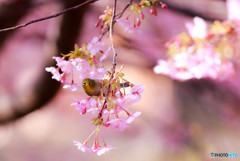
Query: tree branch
[[111, 37], [46, 88], [114, 56], [48, 17], [117, 16]]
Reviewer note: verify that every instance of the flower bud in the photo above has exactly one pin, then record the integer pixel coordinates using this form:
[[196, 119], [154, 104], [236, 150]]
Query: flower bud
[[138, 21], [153, 11], [164, 6]]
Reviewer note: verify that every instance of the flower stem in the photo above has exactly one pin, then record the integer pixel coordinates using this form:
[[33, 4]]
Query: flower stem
[[85, 142], [114, 57]]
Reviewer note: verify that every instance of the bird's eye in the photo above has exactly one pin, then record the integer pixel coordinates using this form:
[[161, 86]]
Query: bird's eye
[[83, 83], [90, 83]]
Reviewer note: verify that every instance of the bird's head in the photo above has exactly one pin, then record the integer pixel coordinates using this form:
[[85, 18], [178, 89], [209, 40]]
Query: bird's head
[[89, 86]]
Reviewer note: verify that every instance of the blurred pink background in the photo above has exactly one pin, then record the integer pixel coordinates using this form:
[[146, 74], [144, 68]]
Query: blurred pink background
[[180, 121]]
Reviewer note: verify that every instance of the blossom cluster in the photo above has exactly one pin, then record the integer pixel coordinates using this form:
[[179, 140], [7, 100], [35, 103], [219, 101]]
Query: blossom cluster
[[108, 114], [110, 93], [206, 51], [85, 62], [136, 11], [81, 63]]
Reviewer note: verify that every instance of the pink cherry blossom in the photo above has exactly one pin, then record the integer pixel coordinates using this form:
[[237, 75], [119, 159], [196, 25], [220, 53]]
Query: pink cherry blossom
[[134, 95], [104, 149], [105, 54], [96, 148], [132, 117], [198, 29], [74, 71], [85, 104], [163, 67], [71, 71], [210, 57], [117, 123], [96, 73], [72, 86], [128, 26], [82, 147], [95, 46], [137, 89], [233, 9], [204, 63], [64, 65], [55, 73]]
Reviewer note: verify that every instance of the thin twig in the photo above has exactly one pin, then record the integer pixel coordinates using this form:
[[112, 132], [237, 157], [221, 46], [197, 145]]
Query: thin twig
[[111, 38], [48, 17], [114, 56], [117, 16]]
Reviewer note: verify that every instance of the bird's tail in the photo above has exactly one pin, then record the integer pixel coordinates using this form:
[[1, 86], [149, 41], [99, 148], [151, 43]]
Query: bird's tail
[[125, 84]]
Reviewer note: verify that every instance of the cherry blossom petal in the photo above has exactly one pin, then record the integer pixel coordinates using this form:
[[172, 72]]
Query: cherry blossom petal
[[55, 73], [137, 89], [162, 67], [198, 29], [105, 54], [132, 117], [95, 46], [118, 123], [82, 147], [233, 9], [128, 26], [104, 150], [85, 105]]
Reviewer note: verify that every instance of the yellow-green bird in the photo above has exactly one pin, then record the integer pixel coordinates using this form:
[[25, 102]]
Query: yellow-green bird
[[93, 87]]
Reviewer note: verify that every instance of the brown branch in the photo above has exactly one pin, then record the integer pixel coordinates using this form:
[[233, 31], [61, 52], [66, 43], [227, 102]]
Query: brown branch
[[48, 17], [111, 37], [110, 29], [117, 16], [114, 56]]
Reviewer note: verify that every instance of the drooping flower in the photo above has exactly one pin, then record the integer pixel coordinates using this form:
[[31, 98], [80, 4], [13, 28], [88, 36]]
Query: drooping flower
[[106, 107], [128, 26], [132, 117], [55, 73], [118, 123], [96, 147], [104, 54], [82, 147], [85, 104], [104, 149], [134, 95], [105, 19], [95, 46], [74, 71]]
